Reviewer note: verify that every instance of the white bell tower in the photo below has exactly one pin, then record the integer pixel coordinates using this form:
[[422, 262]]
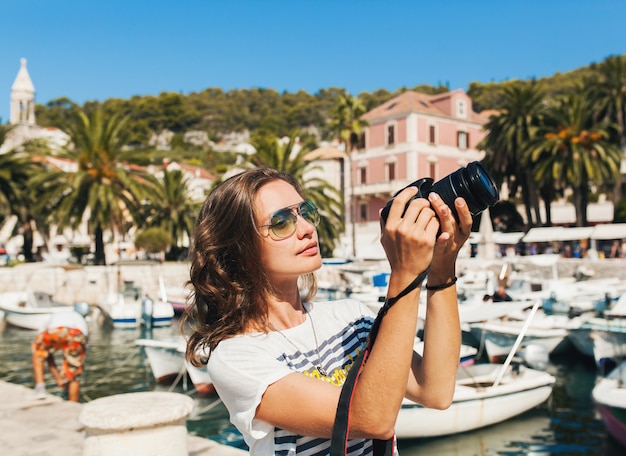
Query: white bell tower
[[22, 98]]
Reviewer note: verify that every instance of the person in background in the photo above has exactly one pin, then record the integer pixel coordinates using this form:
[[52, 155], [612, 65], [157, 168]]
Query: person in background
[[64, 331], [277, 358], [501, 295]]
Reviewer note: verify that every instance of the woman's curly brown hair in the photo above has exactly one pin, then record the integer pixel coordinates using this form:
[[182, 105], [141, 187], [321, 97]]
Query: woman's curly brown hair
[[227, 278]]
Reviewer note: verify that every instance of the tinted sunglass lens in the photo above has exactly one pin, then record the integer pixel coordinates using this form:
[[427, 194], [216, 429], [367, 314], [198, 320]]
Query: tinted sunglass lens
[[283, 223], [308, 211]]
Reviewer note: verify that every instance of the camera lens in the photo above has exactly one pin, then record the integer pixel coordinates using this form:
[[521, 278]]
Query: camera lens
[[472, 183]]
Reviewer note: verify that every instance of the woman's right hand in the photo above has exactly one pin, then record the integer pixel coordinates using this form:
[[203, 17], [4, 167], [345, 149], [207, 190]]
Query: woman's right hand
[[409, 238]]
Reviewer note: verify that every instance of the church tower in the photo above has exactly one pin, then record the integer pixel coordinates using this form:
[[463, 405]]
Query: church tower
[[22, 98]]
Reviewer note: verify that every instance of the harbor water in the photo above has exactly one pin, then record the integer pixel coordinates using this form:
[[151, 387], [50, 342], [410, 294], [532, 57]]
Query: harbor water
[[567, 424]]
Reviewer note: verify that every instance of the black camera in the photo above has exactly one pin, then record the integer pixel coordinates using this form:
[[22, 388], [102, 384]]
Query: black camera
[[473, 183]]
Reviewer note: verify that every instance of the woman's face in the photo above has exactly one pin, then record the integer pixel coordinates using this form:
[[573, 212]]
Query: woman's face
[[294, 255]]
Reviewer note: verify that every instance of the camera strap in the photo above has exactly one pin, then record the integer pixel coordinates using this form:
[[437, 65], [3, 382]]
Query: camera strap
[[339, 440]]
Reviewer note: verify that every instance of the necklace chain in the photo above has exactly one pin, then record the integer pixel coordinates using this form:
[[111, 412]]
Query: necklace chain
[[318, 367]]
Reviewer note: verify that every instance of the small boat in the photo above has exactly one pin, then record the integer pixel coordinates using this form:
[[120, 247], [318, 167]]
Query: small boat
[[166, 358], [29, 309], [609, 395], [609, 340], [39, 290], [131, 308], [549, 331], [484, 395], [604, 337]]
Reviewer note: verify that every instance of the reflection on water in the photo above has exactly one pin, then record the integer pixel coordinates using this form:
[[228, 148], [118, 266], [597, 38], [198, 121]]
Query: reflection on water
[[565, 425]]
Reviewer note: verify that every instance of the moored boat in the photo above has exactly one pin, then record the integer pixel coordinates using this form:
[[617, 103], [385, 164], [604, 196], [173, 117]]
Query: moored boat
[[609, 395], [29, 309], [166, 358], [479, 401], [130, 308]]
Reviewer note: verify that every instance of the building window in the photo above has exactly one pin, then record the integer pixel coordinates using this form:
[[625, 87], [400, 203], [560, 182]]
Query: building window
[[362, 175], [363, 212], [461, 109], [391, 135], [432, 170], [361, 141], [431, 134], [462, 140], [391, 171]]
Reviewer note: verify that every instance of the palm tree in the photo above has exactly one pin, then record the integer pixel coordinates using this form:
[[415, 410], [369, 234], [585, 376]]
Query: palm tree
[[172, 209], [104, 189], [608, 95], [282, 156], [509, 133], [12, 176], [16, 168], [571, 151], [346, 122]]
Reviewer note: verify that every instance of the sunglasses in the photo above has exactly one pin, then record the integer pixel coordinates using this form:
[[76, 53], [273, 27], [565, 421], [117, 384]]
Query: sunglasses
[[283, 222]]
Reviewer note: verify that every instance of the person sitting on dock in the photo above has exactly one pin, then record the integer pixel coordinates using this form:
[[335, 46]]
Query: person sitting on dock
[[66, 331]]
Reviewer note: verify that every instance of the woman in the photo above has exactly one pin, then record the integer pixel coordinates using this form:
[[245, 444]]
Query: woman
[[278, 360]]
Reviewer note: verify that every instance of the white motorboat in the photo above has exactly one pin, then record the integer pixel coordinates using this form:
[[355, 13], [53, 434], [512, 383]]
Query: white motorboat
[[499, 336], [609, 395], [484, 395], [609, 339], [604, 338], [131, 308], [38, 290], [549, 331], [29, 309], [166, 358]]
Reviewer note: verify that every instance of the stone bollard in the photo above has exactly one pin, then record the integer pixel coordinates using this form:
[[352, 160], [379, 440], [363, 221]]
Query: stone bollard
[[150, 423]]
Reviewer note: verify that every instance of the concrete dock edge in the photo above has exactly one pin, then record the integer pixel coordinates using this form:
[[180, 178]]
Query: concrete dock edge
[[50, 426]]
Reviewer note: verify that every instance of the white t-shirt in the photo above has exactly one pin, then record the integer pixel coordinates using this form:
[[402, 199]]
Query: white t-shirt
[[242, 368], [67, 319]]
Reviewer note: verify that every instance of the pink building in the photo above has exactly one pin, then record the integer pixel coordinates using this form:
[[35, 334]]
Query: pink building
[[410, 136]]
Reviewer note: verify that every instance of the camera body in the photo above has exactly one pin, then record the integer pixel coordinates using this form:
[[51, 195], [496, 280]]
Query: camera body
[[473, 183]]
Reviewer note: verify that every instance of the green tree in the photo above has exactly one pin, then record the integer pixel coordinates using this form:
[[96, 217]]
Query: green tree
[[172, 209], [607, 87], [283, 156], [572, 151], [103, 189], [154, 240], [509, 132], [16, 198], [608, 94]]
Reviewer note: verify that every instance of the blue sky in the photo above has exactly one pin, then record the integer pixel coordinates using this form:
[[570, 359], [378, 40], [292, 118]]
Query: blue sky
[[87, 50]]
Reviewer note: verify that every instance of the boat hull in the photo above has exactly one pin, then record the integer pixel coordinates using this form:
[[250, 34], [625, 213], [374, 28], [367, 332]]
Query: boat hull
[[609, 395], [20, 312], [131, 313], [499, 338], [477, 404], [614, 420], [167, 363]]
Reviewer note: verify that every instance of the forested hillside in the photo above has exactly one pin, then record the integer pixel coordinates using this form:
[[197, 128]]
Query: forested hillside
[[219, 112]]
